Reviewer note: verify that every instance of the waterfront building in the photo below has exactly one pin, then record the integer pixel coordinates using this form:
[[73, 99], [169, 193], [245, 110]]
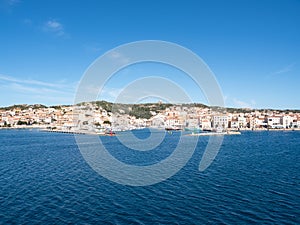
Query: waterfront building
[[205, 123], [274, 121], [234, 123], [220, 121], [242, 121], [286, 121]]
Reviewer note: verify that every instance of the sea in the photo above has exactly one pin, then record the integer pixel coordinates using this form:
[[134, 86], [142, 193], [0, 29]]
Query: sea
[[254, 178]]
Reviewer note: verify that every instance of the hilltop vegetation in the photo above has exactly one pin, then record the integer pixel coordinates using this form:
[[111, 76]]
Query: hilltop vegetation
[[144, 110], [24, 107]]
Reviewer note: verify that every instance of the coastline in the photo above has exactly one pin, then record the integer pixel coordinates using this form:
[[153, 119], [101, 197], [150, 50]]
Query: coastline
[[265, 129], [24, 127], [60, 130]]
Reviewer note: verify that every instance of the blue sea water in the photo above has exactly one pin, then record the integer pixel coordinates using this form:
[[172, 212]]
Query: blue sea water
[[255, 178]]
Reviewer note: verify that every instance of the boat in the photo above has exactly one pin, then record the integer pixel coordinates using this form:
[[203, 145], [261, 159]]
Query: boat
[[109, 133], [172, 128], [207, 130], [193, 129]]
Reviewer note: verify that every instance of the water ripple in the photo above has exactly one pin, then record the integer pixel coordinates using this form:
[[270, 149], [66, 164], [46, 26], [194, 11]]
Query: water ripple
[[254, 179]]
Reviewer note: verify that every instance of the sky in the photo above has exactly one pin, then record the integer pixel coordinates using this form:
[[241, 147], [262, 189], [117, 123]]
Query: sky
[[252, 47]]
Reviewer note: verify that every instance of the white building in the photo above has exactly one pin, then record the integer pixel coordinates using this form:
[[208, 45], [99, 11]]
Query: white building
[[174, 123], [274, 122], [220, 121], [295, 123], [234, 123], [286, 121], [298, 123], [205, 124], [260, 122], [192, 122], [242, 122]]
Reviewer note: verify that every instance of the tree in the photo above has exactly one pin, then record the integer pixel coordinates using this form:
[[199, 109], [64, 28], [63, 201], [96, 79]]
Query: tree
[[22, 122], [107, 122], [140, 112]]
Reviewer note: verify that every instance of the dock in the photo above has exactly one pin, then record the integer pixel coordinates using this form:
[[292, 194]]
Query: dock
[[215, 133]]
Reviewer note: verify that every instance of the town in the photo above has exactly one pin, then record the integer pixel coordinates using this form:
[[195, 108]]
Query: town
[[100, 116]]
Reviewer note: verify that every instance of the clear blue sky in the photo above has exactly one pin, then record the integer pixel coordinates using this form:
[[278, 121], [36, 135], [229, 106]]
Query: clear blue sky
[[253, 47]]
